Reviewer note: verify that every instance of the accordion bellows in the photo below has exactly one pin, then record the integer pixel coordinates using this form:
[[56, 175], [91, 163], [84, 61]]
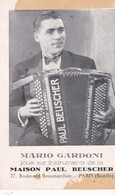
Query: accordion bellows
[[70, 99]]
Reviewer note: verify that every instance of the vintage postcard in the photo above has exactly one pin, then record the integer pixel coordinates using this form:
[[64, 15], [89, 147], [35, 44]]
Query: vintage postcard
[[57, 84]]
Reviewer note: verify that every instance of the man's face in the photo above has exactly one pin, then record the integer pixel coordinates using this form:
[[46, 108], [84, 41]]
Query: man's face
[[51, 36]]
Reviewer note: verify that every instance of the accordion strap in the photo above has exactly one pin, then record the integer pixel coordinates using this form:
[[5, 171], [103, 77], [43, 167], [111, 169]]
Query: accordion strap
[[22, 82]]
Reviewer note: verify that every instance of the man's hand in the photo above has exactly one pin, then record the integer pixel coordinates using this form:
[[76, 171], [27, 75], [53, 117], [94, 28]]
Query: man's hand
[[105, 118], [32, 108]]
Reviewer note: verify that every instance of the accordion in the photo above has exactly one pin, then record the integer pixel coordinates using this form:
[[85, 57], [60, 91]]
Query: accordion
[[70, 99]]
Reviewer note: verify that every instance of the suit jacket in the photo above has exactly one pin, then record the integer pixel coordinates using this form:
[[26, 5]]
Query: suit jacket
[[20, 96]]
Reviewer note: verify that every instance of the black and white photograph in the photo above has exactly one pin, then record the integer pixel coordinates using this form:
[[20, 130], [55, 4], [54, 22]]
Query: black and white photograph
[[57, 89], [61, 77]]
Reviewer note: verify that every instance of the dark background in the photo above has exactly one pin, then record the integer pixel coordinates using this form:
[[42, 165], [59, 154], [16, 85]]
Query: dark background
[[88, 32]]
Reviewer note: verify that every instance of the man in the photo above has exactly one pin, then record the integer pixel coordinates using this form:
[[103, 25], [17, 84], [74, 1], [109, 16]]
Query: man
[[24, 108]]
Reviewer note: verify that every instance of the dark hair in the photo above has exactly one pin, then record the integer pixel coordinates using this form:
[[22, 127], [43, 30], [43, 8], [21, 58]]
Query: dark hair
[[44, 16]]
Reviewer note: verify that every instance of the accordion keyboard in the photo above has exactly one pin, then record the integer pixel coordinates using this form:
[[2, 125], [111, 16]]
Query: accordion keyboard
[[100, 104], [40, 97]]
